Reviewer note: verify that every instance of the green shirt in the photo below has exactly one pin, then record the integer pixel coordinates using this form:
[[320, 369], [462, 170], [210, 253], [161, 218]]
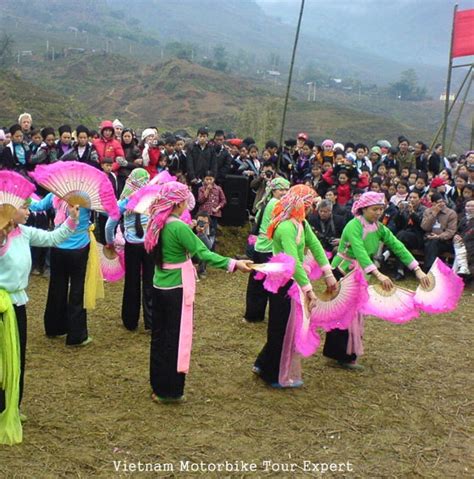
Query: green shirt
[[264, 244], [284, 241], [353, 245], [178, 243]]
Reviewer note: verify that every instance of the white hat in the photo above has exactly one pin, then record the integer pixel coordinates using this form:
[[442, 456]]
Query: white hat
[[117, 122], [148, 132], [338, 146]]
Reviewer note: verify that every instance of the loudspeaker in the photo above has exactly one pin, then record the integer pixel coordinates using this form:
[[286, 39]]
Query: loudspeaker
[[236, 190]]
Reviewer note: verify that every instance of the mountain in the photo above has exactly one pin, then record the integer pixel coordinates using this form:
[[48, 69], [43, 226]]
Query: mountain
[[46, 106], [254, 40]]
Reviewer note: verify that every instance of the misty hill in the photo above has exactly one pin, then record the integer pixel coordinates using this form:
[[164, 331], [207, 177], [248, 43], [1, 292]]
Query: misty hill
[[143, 28], [180, 94]]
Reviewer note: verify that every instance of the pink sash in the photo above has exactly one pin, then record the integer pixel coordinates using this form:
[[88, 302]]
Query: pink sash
[[290, 360], [188, 274]]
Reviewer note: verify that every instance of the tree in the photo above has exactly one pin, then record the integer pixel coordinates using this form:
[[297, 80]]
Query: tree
[[6, 49], [220, 55], [407, 89]]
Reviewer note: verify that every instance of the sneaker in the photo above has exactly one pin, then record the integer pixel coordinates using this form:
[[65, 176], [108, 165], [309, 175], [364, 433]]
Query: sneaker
[[256, 370], [294, 384], [351, 366], [86, 341], [35, 272], [167, 400]]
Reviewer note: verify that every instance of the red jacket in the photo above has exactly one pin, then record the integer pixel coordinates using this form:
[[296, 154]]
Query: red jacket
[[154, 154], [108, 148]]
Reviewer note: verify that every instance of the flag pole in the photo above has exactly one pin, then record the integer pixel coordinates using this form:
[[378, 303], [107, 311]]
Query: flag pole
[[285, 107], [448, 81], [456, 122]]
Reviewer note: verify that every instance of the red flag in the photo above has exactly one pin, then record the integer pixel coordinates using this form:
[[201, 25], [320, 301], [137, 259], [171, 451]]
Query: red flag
[[463, 39]]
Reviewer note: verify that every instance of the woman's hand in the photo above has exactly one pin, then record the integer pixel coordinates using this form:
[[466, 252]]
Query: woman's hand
[[311, 299], [243, 265], [385, 281], [331, 282], [73, 212], [138, 161], [422, 278], [6, 231]]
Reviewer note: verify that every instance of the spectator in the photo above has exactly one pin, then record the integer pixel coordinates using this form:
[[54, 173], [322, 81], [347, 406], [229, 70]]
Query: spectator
[[404, 156], [118, 129], [64, 143], [401, 194], [421, 159], [150, 151], [464, 243], [337, 209], [26, 123], [16, 153], [223, 157], [82, 150], [201, 159], [211, 199], [260, 182], [47, 152], [436, 160], [327, 227], [440, 225], [408, 224], [108, 147]]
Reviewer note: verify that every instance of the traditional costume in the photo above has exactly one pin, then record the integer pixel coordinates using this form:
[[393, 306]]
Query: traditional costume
[[65, 311], [257, 296], [278, 364], [15, 266], [173, 243], [359, 243], [138, 287]]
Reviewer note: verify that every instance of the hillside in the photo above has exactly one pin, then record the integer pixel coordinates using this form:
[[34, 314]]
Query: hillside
[[46, 106], [173, 93], [180, 94], [142, 29]]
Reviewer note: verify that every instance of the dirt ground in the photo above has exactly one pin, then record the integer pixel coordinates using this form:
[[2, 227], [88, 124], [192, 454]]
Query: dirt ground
[[408, 415]]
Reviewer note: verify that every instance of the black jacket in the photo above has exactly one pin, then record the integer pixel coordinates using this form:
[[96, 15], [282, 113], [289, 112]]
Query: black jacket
[[200, 161], [435, 163], [410, 221], [327, 230], [9, 160], [223, 161]]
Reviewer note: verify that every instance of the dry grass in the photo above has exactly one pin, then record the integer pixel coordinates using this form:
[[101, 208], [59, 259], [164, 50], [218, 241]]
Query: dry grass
[[407, 415]]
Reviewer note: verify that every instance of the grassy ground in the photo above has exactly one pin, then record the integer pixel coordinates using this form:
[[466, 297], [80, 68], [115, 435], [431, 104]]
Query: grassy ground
[[406, 416]]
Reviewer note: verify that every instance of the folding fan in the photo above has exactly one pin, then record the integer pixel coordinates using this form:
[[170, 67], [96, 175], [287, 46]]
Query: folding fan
[[307, 340], [276, 272], [336, 309], [162, 177], [311, 266], [79, 184], [445, 289], [14, 191], [396, 305], [141, 201], [111, 264]]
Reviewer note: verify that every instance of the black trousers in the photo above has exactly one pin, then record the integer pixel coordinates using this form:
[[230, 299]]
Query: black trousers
[[412, 240], [335, 346], [20, 313], [65, 313], [165, 381], [433, 248], [269, 358], [138, 289], [257, 296], [39, 256]]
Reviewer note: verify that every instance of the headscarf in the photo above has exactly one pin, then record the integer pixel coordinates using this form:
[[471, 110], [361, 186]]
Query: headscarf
[[371, 198], [292, 206], [273, 185], [170, 194], [138, 177]]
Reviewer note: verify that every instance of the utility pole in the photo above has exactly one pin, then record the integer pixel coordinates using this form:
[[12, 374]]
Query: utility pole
[[53, 53], [18, 58], [310, 83], [314, 91]]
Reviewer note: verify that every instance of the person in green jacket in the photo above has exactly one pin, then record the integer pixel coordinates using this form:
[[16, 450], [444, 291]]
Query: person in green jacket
[[257, 296], [359, 243], [278, 364], [173, 244]]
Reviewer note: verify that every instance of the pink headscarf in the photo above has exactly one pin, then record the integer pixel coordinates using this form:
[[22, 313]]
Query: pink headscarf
[[171, 194], [370, 198]]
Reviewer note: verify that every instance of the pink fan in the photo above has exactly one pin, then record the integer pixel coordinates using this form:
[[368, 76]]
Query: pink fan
[[307, 339], [276, 273], [396, 305], [79, 184], [141, 201], [337, 309], [14, 191], [444, 292], [111, 264], [162, 177], [311, 266]]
